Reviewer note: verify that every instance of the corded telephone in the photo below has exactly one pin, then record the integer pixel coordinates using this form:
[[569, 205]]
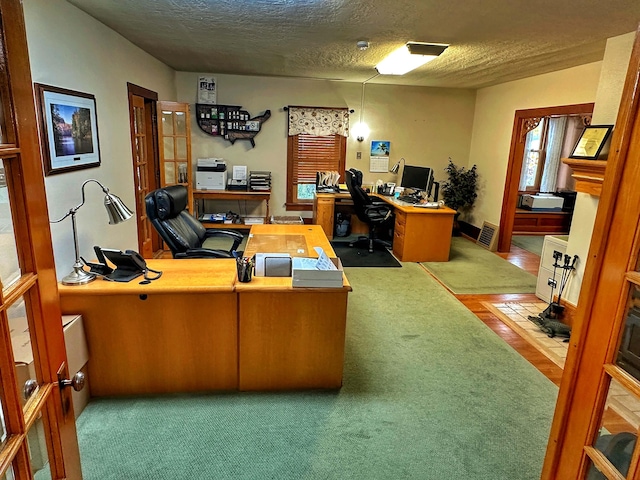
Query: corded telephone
[[129, 265]]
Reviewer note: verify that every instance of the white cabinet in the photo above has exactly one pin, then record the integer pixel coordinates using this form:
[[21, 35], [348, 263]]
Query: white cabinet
[[552, 243]]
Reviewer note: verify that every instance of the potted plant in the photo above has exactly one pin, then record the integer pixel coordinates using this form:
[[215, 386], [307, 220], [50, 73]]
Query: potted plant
[[459, 192]]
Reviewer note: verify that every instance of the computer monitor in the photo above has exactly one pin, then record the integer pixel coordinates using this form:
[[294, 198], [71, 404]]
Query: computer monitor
[[417, 178]]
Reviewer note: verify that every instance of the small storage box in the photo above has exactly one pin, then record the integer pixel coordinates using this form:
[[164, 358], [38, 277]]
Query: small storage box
[[306, 275]]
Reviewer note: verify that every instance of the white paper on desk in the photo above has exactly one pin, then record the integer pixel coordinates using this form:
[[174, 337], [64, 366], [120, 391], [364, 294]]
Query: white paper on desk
[[324, 262]]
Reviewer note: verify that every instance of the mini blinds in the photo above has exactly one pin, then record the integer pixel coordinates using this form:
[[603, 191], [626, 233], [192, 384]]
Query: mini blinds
[[312, 154]]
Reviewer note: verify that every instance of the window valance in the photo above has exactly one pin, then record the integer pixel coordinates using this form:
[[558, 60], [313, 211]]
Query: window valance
[[318, 121]]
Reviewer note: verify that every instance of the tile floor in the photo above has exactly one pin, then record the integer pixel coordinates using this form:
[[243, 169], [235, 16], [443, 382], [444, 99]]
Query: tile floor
[[515, 316]]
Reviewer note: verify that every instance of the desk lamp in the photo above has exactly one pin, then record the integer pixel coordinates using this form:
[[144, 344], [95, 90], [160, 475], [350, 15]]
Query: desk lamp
[[396, 167], [117, 211]]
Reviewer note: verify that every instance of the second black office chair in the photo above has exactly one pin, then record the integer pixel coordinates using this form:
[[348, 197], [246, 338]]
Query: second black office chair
[[375, 214], [183, 234]]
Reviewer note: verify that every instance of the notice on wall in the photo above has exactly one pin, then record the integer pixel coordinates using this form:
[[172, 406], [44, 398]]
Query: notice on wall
[[207, 87], [379, 157]]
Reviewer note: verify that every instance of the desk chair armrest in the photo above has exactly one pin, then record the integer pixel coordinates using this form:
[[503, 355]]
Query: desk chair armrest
[[378, 212], [216, 232], [203, 253]]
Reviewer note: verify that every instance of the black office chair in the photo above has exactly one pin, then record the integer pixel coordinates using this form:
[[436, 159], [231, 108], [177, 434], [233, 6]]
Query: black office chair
[[375, 214], [183, 234]]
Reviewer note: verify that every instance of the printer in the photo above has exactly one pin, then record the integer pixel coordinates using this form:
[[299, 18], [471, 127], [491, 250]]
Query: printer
[[542, 201], [211, 174]]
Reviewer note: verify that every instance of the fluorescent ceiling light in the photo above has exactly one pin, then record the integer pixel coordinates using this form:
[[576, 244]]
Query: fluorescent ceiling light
[[409, 57]]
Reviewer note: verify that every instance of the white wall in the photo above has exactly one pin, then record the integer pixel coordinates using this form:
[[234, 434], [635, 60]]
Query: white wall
[[69, 49], [424, 125], [614, 70], [493, 124]]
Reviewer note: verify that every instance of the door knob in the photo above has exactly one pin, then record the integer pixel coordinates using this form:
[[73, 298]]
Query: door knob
[[30, 387], [77, 382]]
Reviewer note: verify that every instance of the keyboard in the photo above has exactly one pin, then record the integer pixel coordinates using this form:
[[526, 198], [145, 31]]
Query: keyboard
[[408, 199]]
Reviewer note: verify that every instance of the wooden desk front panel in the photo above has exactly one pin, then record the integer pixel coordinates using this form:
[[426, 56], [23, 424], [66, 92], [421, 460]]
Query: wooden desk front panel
[[291, 340], [167, 343], [323, 213], [422, 237]]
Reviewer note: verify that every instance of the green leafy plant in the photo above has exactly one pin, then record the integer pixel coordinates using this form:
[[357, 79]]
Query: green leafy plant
[[460, 190]]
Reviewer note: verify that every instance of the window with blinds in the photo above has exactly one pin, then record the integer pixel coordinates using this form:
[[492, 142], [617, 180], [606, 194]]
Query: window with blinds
[[308, 154]]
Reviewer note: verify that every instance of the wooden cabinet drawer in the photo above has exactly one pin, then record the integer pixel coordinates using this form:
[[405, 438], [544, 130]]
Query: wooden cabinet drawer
[[401, 219], [400, 224], [398, 244]]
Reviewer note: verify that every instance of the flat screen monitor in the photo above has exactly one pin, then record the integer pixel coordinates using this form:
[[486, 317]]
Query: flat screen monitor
[[417, 178]]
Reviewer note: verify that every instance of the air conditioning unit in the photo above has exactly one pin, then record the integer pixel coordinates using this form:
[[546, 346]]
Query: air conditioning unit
[[488, 237]]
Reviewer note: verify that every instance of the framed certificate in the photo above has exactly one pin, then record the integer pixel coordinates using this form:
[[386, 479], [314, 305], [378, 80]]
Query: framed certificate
[[590, 143]]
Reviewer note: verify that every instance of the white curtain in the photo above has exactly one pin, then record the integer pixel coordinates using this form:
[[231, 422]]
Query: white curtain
[[524, 171], [557, 127]]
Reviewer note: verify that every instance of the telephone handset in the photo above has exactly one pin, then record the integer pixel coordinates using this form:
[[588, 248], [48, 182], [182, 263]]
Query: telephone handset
[[129, 265]]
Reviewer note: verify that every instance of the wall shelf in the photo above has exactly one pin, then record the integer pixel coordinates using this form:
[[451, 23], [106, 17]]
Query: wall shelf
[[201, 195], [229, 122], [589, 174]]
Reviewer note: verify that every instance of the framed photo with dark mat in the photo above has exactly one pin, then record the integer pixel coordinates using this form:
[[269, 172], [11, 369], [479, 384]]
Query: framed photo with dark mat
[[69, 129]]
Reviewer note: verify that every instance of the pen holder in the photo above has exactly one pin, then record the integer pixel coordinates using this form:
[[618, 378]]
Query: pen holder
[[244, 266]]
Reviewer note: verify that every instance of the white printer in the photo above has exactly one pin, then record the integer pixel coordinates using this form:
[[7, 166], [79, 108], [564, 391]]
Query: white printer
[[542, 201], [211, 174]]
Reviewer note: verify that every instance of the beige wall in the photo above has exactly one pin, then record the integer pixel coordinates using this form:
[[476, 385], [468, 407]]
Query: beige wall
[[69, 49], [424, 125], [493, 123], [610, 86]]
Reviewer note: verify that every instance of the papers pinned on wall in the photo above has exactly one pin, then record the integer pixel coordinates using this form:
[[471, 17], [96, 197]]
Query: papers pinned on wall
[[207, 87]]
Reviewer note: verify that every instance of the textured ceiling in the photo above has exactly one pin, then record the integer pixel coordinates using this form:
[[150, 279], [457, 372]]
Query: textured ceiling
[[491, 41]]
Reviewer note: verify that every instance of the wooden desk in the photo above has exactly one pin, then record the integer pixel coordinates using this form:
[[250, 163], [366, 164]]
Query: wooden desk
[[198, 329], [290, 338], [177, 334], [420, 234]]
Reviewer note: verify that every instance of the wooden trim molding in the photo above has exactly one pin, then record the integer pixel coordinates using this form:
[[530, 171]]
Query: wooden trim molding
[[589, 174]]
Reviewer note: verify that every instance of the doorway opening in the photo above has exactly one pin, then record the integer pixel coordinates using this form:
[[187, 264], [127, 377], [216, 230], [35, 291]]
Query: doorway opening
[[541, 137], [146, 170]]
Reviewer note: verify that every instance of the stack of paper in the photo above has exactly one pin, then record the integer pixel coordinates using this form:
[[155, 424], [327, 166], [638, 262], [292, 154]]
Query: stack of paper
[[317, 272]]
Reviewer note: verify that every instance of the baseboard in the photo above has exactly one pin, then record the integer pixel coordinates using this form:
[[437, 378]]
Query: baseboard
[[469, 230]]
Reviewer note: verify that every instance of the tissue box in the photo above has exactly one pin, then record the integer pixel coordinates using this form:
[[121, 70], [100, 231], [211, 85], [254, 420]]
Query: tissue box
[[306, 275]]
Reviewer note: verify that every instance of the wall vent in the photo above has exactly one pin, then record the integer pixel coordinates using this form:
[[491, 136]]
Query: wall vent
[[488, 237]]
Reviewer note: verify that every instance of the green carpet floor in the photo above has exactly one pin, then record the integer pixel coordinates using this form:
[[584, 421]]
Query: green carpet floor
[[473, 269], [429, 393], [531, 243]]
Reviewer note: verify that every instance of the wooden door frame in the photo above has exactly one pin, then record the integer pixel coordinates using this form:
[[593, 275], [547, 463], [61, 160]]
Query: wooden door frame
[[594, 339], [38, 283], [516, 157], [153, 174]]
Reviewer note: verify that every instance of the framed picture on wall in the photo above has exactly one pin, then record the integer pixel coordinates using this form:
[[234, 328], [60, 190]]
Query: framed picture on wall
[[68, 123], [591, 142]]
